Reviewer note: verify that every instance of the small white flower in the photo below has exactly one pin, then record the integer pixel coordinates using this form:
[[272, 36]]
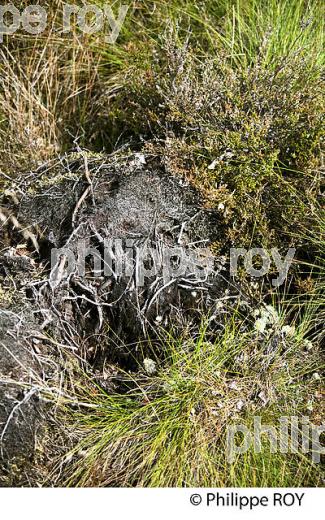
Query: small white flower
[[260, 325], [150, 366], [288, 330], [240, 405], [269, 316], [270, 313]]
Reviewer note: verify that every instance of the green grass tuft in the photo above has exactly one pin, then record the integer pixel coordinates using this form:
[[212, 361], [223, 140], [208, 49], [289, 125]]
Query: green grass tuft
[[169, 429]]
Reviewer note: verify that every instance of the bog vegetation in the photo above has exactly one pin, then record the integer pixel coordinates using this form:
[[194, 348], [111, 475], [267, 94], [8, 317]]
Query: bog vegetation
[[230, 95]]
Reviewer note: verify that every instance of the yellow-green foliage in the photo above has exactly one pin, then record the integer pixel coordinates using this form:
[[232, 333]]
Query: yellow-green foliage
[[169, 428], [249, 140], [227, 93]]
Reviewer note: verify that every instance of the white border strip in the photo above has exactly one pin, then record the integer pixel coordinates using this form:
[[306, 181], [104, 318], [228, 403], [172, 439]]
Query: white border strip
[[143, 504]]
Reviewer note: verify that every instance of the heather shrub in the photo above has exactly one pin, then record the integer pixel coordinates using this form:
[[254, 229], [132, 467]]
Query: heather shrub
[[249, 140]]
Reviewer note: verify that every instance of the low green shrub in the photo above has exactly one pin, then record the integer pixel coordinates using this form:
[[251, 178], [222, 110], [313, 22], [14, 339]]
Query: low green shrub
[[248, 140]]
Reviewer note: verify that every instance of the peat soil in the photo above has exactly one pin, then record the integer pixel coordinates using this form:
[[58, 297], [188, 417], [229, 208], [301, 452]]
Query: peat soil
[[98, 254]]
